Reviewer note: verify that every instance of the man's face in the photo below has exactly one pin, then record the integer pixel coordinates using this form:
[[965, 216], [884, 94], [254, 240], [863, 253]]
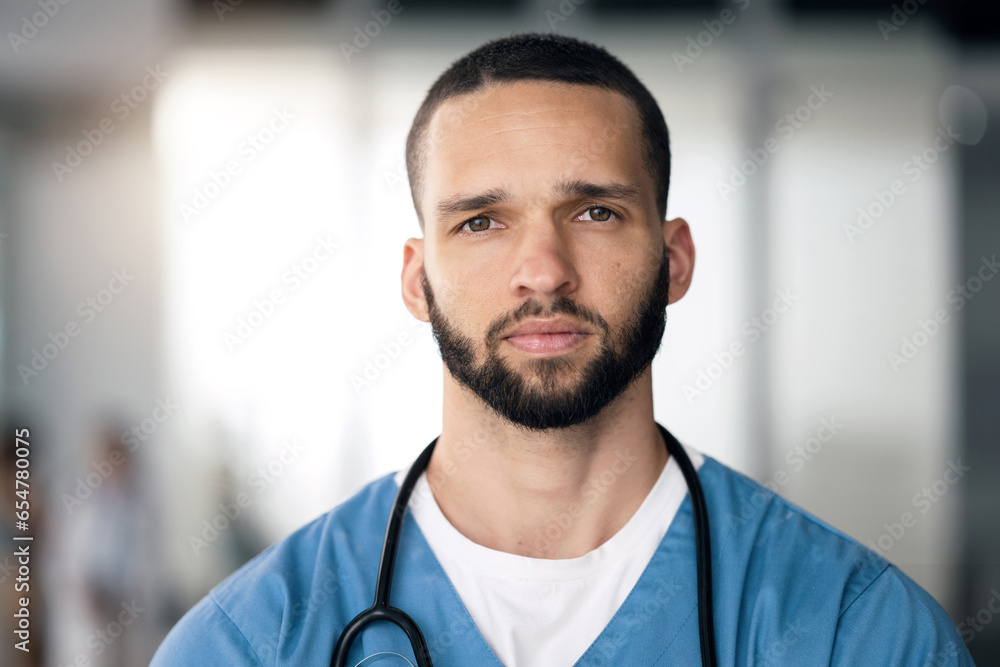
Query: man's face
[[539, 210]]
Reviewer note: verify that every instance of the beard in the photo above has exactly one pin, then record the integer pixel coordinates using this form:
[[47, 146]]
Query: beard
[[546, 404]]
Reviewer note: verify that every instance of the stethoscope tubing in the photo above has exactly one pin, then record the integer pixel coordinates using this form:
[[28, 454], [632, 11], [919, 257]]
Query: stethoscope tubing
[[703, 548], [381, 611]]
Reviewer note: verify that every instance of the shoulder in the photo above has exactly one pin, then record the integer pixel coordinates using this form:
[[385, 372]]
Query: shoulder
[[755, 519], [307, 582], [205, 625], [893, 622], [797, 575], [777, 543]]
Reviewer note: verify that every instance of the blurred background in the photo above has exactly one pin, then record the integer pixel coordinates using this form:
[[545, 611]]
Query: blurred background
[[202, 212]]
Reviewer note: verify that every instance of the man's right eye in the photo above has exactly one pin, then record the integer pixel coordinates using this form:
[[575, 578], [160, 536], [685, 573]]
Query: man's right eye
[[480, 223]]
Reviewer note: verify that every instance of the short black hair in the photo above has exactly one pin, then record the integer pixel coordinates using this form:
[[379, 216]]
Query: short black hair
[[543, 57]]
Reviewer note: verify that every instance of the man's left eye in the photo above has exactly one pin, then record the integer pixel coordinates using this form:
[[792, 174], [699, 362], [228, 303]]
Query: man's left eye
[[599, 213]]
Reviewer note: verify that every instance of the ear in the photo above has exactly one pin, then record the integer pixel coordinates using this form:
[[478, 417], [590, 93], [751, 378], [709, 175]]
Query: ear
[[677, 237], [413, 292]]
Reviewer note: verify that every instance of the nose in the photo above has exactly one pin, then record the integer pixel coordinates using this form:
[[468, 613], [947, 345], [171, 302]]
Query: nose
[[543, 262]]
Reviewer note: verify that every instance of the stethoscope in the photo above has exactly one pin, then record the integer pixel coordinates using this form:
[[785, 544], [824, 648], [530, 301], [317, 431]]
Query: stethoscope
[[381, 611]]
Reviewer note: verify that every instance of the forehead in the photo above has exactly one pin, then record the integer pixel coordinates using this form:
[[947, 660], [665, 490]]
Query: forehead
[[527, 135]]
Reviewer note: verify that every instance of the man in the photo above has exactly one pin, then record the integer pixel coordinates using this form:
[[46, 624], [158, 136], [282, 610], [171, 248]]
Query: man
[[551, 527]]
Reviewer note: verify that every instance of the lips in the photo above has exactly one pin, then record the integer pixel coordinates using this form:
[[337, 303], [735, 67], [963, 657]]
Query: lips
[[541, 327], [543, 338]]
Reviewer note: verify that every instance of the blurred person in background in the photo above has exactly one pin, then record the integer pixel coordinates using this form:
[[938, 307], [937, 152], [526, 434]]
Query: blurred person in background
[[243, 538], [120, 562]]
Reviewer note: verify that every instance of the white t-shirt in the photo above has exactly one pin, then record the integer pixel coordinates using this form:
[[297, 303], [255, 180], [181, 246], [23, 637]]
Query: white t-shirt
[[538, 612]]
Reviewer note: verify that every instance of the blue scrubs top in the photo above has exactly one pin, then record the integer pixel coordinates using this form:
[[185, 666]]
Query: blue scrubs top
[[788, 589]]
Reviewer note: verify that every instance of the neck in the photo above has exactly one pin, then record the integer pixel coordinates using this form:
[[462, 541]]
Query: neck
[[545, 494]]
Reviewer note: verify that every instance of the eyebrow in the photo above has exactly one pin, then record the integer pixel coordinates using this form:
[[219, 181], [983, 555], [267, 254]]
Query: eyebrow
[[623, 191], [460, 204], [566, 189]]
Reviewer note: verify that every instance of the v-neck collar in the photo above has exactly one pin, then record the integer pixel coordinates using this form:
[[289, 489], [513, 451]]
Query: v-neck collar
[[659, 617], [660, 609]]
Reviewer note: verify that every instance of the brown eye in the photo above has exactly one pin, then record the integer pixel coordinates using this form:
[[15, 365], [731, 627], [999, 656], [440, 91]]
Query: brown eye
[[479, 224], [599, 213]]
